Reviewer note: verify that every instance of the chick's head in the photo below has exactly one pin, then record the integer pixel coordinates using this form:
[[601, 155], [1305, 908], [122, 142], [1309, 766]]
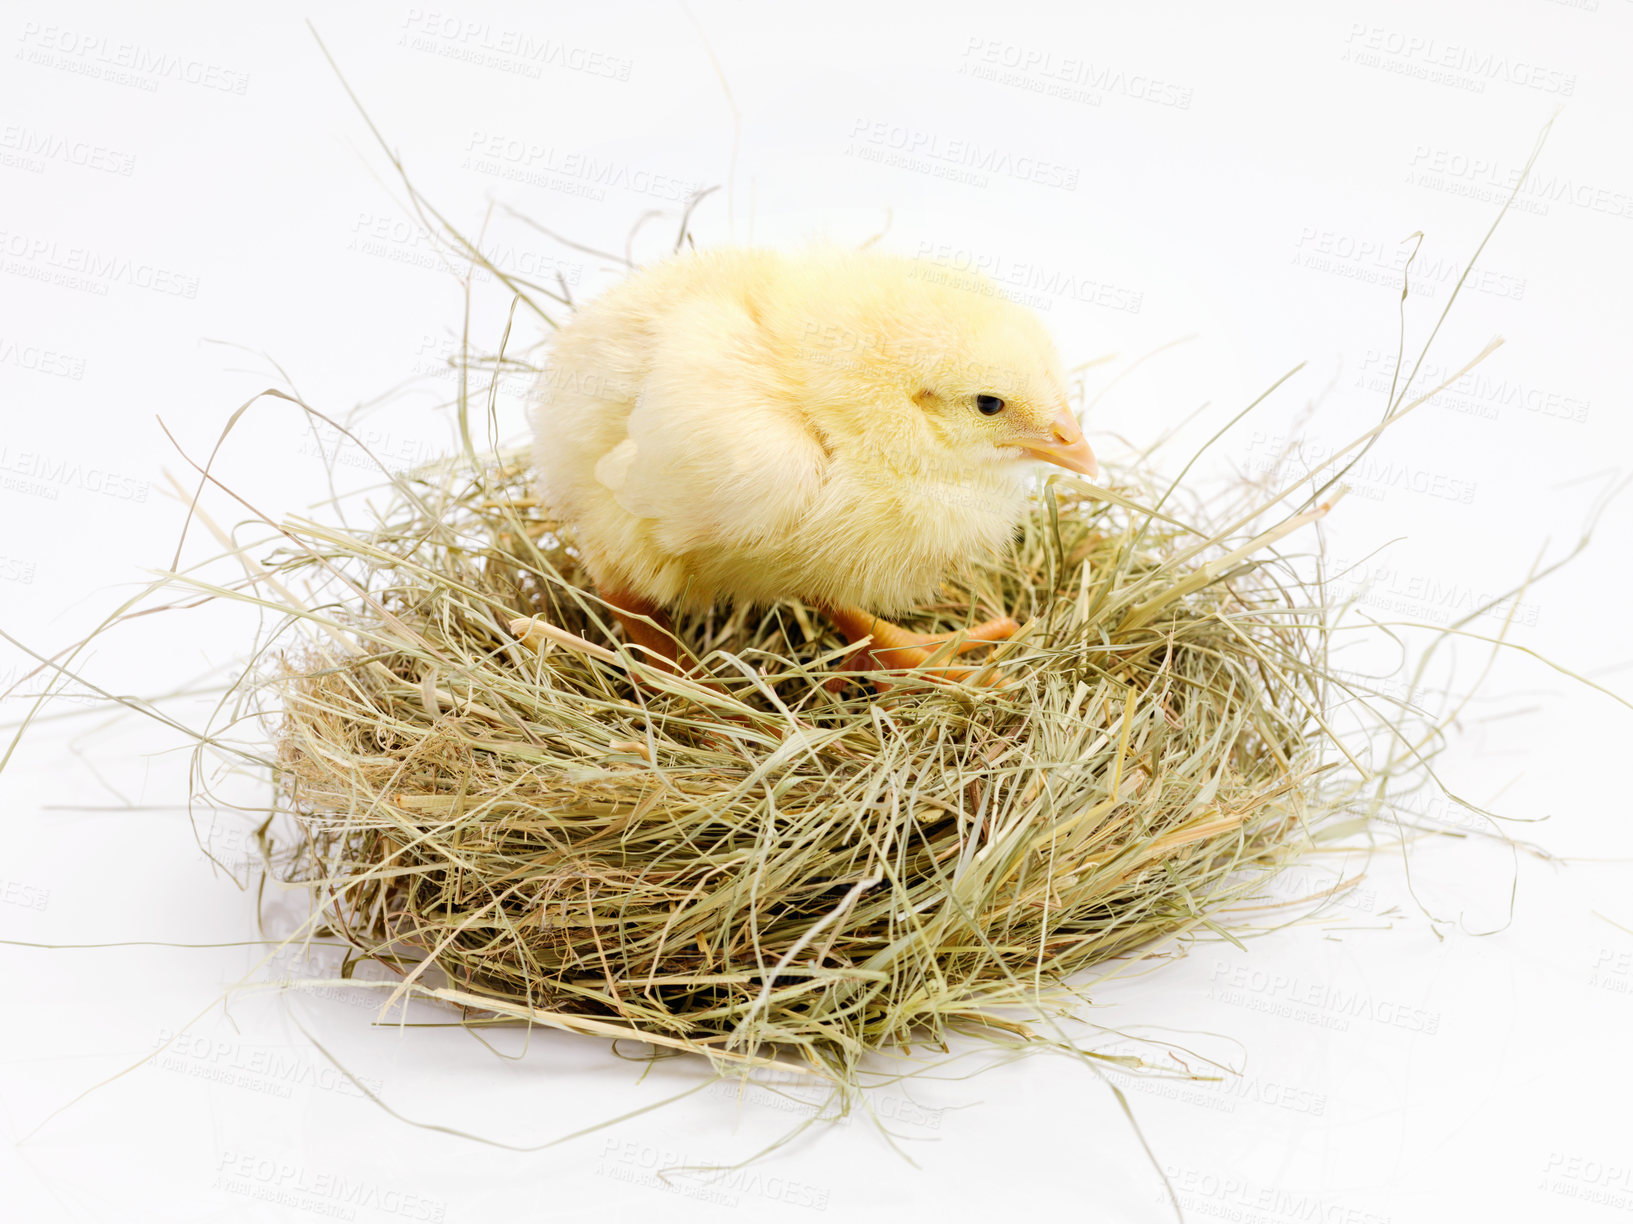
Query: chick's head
[[936, 365]]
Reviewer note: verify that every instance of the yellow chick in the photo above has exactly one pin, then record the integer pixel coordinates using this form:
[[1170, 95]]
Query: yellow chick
[[844, 427]]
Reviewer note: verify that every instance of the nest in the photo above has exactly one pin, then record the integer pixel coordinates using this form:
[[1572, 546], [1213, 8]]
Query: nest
[[494, 798]]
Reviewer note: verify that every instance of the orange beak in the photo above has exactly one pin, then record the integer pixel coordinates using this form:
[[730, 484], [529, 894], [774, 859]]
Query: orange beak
[[1065, 446]]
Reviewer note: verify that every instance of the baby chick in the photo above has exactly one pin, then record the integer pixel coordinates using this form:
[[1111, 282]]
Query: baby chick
[[843, 427]]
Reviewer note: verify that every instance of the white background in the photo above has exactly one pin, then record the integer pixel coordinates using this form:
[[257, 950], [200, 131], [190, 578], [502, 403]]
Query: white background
[[1152, 173]]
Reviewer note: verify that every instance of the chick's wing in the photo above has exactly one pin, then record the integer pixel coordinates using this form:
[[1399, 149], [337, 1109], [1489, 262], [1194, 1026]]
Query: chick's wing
[[717, 453]]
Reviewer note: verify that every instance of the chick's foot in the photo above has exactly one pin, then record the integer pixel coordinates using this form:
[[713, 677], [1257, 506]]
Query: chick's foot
[[893, 648]]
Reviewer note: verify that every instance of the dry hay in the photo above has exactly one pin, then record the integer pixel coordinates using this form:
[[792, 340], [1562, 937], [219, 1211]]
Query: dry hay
[[754, 864]]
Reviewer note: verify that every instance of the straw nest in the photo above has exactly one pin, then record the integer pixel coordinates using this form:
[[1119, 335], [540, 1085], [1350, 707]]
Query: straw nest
[[744, 862]]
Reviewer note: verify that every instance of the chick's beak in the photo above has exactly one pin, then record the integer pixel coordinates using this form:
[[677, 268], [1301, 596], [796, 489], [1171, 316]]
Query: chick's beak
[[1065, 445]]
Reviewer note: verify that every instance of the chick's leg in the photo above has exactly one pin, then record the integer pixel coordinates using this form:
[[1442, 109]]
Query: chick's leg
[[645, 625], [895, 647]]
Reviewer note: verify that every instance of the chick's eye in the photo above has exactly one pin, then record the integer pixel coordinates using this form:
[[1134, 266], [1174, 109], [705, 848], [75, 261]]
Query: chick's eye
[[989, 405]]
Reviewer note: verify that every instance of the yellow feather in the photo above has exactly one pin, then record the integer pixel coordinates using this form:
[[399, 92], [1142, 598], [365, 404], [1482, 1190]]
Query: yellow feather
[[750, 424]]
